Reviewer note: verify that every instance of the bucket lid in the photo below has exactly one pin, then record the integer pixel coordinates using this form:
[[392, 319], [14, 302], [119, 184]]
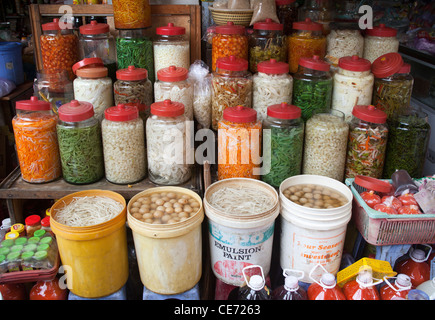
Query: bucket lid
[[170, 30], [132, 73], [167, 108], [121, 112], [273, 67], [9, 45], [268, 24], [94, 28], [75, 111], [172, 74], [370, 114]]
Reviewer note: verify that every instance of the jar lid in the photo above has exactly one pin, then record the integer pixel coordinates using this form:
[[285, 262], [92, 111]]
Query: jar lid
[[46, 240], [283, 2], [27, 255], [75, 111], [121, 112], [21, 241], [268, 24], [405, 68], [40, 233], [32, 220], [381, 31], [284, 111], [90, 68], [170, 30], [240, 114], [8, 242], [354, 63], [370, 114], [34, 240], [232, 63], [30, 247], [273, 67], [94, 28], [41, 255], [45, 222], [373, 184], [314, 63], [132, 73], [33, 104], [18, 227], [307, 24], [2, 257], [387, 65], [13, 255], [172, 74], [230, 28], [167, 108], [51, 25]]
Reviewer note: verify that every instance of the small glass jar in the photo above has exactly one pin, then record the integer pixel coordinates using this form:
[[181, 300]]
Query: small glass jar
[[45, 224], [33, 223], [132, 14], [353, 85], [379, 41], [320, 11], [80, 146], [285, 140], [170, 158], [123, 145], [306, 41], [312, 89], [266, 42], [93, 85], [229, 40], [27, 261], [325, 145], [287, 12], [37, 148], [367, 143], [173, 84], [239, 144], [271, 85], [14, 261], [231, 85], [171, 48]]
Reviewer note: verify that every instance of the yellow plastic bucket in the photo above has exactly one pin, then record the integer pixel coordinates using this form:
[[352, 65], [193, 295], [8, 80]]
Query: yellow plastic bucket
[[169, 256], [96, 255]]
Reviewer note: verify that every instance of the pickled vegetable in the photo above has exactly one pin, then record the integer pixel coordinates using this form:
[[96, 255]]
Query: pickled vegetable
[[304, 46], [392, 97], [312, 96], [224, 45], [132, 14]]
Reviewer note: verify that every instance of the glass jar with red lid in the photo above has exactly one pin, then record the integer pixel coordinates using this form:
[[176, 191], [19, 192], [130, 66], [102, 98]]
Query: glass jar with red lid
[[33, 223], [378, 41], [287, 12]]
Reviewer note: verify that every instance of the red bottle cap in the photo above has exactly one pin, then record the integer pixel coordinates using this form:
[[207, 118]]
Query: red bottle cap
[[32, 220], [381, 31], [167, 108], [284, 111], [369, 114], [45, 222], [268, 24], [230, 28], [240, 114], [75, 111], [94, 28], [121, 112], [314, 63], [273, 67], [307, 24], [232, 63], [51, 25], [87, 63], [172, 74], [170, 30], [354, 63], [132, 74], [387, 65], [33, 104], [373, 184]]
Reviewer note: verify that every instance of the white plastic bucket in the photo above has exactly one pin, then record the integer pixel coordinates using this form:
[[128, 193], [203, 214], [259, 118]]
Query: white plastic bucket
[[238, 241], [311, 236]]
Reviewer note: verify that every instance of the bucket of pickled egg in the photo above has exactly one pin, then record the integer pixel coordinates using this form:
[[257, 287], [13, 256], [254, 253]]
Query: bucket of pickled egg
[[315, 211], [166, 228]]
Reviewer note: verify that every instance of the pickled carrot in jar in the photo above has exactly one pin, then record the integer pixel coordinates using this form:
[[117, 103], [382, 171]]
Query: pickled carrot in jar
[[132, 14]]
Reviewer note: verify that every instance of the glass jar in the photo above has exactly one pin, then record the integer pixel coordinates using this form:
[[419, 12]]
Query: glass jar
[[407, 146], [312, 89], [59, 48], [123, 145], [132, 14], [134, 48], [173, 84], [229, 40], [239, 144], [393, 84], [95, 41], [37, 148], [306, 41], [285, 140], [170, 158], [320, 11], [266, 42], [325, 145], [368, 136], [171, 48], [271, 85], [353, 85], [33, 223], [80, 146], [231, 85], [379, 41], [14, 261], [287, 12], [93, 85]]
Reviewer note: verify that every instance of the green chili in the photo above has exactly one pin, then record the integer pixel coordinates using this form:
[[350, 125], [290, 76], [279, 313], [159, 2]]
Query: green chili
[[392, 97]]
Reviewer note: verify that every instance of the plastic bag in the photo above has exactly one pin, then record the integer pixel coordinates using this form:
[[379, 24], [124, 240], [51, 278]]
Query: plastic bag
[[200, 76], [426, 196], [263, 9], [238, 4], [6, 87], [220, 4]]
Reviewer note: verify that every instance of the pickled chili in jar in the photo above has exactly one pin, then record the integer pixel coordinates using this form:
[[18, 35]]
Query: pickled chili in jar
[[132, 14]]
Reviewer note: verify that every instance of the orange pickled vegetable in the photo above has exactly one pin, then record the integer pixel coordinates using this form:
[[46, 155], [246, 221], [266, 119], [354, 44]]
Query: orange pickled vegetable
[[131, 14], [225, 45], [304, 46]]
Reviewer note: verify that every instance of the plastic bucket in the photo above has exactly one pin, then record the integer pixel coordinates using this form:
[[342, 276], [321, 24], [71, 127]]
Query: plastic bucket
[[238, 241], [96, 255], [169, 256], [11, 62], [311, 236]]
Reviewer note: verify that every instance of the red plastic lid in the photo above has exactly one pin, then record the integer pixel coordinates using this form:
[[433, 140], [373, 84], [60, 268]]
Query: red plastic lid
[[268, 24], [373, 184], [232, 63], [354, 63], [284, 111], [32, 220], [170, 30], [370, 114], [230, 28], [51, 25], [387, 65], [167, 108], [283, 2], [132, 73], [75, 111], [240, 114], [33, 104], [87, 62], [121, 112], [314, 63], [273, 67], [94, 28], [172, 74], [405, 68], [45, 222], [381, 31], [307, 24]]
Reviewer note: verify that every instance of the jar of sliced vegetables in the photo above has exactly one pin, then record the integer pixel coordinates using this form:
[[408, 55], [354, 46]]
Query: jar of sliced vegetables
[[378, 41], [287, 12], [367, 143], [132, 14]]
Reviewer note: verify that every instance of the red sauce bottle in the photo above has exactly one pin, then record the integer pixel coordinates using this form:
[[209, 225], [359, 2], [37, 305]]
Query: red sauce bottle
[[326, 289], [397, 291], [362, 288], [415, 267], [13, 291], [48, 290]]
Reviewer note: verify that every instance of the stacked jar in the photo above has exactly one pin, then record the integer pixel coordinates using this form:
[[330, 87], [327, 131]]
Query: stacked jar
[[272, 84], [80, 146], [367, 143], [312, 89], [306, 41], [287, 13], [320, 11], [37, 148], [353, 85], [379, 41]]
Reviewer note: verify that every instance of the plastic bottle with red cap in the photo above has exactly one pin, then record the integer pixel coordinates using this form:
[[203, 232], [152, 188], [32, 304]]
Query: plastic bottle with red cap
[[378, 41], [290, 290], [415, 266], [398, 290], [363, 287], [325, 288], [33, 223]]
